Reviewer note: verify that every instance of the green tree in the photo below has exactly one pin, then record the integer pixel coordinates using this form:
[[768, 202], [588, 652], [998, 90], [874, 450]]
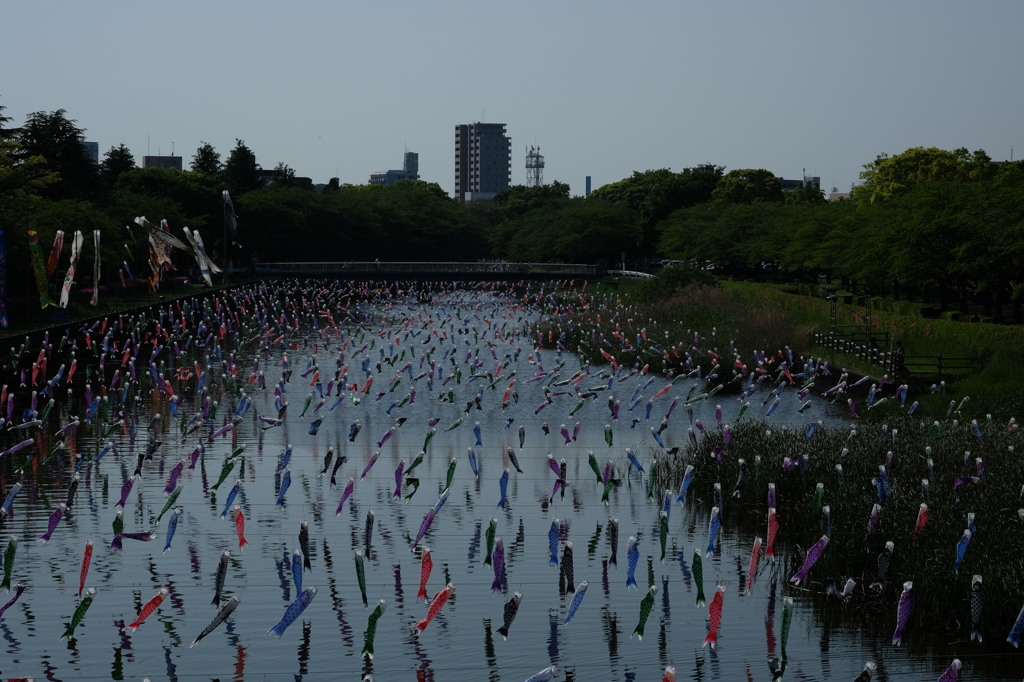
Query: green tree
[[748, 186], [300, 215], [241, 172], [410, 220], [284, 176], [579, 230], [888, 177], [117, 160], [699, 183], [734, 239], [654, 194], [4, 120], [182, 198], [990, 258], [807, 193], [593, 232], [630, 192], [803, 251], [73, 215], [22, 184], [974, 166], [58, 140], [518, 200], [206, 160], [23, 181]]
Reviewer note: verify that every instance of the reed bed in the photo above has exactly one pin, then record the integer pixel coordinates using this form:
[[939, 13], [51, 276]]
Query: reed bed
[[797, 464]]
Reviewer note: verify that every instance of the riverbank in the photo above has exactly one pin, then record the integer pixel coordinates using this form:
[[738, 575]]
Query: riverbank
[[774, 317], [37, 321]]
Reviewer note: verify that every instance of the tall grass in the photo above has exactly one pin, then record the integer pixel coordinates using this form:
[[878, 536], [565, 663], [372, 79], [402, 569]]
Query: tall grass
[[941, 595]]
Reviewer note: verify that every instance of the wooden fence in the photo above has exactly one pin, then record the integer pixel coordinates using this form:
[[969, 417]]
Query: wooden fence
[[910, 366]]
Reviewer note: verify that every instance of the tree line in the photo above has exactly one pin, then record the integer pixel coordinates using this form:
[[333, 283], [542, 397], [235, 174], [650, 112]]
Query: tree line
[[934, 224], [942, 227], [49, 183]]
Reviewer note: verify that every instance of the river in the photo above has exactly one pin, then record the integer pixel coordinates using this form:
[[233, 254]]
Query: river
[[479, 342]]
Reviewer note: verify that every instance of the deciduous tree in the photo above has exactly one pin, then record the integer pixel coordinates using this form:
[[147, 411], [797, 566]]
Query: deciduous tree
[[206, 160], [284, 176], [748, 186], [888, 177], [515, 201], [655, 194]]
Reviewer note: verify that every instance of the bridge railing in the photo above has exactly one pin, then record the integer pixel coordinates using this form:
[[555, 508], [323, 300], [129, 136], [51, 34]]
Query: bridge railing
[[393, 267]]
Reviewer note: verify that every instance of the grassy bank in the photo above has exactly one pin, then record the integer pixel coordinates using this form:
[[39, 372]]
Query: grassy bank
[[996, 387], [79, 310], [774, 317]]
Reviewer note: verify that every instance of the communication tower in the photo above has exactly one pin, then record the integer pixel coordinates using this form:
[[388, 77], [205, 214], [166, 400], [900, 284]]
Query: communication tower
[[534, 167]]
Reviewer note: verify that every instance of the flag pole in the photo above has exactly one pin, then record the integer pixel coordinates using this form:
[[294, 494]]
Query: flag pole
[[224, 216], [224, 211]]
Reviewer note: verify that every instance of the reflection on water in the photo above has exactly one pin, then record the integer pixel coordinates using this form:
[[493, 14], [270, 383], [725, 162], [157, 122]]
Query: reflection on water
[[769, 619], [489, 655], [553, 629], [117, 665], [430, 365], [240, 654], [304, 646]]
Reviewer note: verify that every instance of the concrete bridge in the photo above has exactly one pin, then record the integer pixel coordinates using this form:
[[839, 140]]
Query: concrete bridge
[[454, 270]]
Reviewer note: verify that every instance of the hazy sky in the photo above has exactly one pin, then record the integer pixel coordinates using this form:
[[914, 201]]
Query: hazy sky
[[604, 88]]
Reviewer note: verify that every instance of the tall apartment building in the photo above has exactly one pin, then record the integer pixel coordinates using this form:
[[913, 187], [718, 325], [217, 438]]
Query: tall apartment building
[[92, 150], [483, 160]]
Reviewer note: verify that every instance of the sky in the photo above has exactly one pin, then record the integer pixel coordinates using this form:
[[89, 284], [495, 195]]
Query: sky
[[342, 89]]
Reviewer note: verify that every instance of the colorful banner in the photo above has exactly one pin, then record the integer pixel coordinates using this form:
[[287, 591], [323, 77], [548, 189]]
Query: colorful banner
[[154, 264], [160, 252], [206, 266], [157, 233], [58, 245], [202, 249], [3, 281], [69, 279], [39, 268]]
